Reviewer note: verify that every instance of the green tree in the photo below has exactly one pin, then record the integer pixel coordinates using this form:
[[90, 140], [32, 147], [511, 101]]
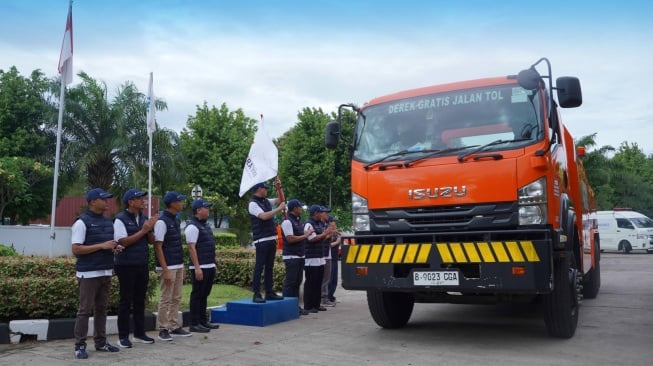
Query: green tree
[[106, 141], [215, 143], [26, 109], [19, 200]]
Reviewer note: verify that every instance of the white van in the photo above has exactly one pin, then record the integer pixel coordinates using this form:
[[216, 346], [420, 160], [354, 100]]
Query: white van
[[625, 230]]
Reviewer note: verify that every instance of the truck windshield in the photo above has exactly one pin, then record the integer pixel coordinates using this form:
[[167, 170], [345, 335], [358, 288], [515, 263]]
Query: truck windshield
[[451, 120], [643, 222]]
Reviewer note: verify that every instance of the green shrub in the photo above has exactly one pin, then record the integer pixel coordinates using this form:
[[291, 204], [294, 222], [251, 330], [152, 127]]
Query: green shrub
[[7, 251], [236, 267], [37, 287]]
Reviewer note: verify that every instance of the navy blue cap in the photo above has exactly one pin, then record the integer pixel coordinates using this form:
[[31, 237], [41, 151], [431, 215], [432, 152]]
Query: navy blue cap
[[331, 218], [314, 209], [173, 196], [260, 185], [131, 194], [96, 193], [294, 203], [324, 209], [200, 203]]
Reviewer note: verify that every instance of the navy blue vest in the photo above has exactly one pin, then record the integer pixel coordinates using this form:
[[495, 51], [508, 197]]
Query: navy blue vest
[[262, 228], [315, 249], [297, 248], [172, 249], [138, 253], [98, 230], [205, 245]]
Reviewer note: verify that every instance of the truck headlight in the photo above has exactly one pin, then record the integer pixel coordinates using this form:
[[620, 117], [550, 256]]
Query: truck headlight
[[360, 213], [532, 203]]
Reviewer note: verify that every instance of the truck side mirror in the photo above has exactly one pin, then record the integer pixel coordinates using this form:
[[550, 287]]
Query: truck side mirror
[[529, 79], [569, 93], [332, 134]]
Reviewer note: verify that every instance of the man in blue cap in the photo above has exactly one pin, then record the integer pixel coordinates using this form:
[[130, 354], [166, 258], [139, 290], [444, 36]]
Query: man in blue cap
[[264, 235], [314, 259], [133, 231], [170, 266], [94, 246], [294, 241], [201, 249]]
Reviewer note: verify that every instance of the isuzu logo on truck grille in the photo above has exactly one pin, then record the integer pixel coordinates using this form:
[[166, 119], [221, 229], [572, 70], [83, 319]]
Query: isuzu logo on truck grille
[[437, 192]]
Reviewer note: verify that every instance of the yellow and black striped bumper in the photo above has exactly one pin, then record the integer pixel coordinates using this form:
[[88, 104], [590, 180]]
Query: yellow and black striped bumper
[[460, 252]]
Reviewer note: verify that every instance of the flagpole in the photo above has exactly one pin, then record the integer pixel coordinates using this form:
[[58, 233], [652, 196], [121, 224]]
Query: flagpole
[[151, 124], [149, 182], [56, 165]]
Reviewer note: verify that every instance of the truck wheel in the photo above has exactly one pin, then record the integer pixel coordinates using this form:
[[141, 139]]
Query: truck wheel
[[561, 305], [390, 310], [592, 280], [625, 247]]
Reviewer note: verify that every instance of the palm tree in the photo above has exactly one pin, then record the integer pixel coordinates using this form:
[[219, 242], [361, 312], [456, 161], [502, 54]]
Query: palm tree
[[106, 142]]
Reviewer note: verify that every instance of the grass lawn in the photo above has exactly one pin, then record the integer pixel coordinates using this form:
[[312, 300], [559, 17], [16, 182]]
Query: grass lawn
[[220, 294]]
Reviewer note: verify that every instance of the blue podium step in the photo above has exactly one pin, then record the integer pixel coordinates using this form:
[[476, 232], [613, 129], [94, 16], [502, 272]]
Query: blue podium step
[[247, 312]]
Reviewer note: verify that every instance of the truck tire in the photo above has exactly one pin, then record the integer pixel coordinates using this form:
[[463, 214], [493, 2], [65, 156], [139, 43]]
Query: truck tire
[[561, 305], [625, 247], [390, 310], [592, 280]]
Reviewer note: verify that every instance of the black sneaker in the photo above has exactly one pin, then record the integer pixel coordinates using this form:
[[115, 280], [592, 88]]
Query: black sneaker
[[198, 329], [303, 312], [272, 296], [258, 299], [143, 339], [124, 343], [210, 325], [80, 352], [314, 310], [321, 308], [107, 348], [180, 332], [164, 335]]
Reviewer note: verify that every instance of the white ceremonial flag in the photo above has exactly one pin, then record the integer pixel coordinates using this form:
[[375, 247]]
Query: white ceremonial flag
[[262, 161], [66, 55], [151, 125]]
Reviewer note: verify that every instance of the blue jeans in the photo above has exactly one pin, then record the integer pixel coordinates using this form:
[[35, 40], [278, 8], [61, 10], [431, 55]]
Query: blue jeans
[[265, 252]]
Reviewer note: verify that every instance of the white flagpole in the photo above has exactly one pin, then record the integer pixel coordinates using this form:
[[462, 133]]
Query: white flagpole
[[56, 166], [151, 124], [65, 67]]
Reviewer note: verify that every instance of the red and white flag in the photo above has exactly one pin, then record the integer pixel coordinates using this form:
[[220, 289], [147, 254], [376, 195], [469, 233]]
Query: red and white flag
[[262, 162], [151, 125], [66, 55]]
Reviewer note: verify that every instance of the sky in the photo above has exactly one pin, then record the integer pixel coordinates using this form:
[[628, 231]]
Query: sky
[[278, 57]]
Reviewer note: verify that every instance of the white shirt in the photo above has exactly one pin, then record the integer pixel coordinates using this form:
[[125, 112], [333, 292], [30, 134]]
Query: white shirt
[[160, 230], [312, 262], [119, 230], [78, 236], [255, 210], [286, 227], [192, 233]]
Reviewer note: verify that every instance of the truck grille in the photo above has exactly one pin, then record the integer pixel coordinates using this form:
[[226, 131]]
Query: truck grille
[[445, 218]]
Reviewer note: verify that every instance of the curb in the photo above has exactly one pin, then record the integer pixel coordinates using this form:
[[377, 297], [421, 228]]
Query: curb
[[17, 331]]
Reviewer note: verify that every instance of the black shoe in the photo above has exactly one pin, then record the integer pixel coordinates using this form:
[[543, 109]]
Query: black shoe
[[198, 329], [210, 325], [303, 312], [80, 352], [107, 348], [180, 332], [314, 310], [321, 308], [164, 335], [258, 299], [143, 339], [272, 296]]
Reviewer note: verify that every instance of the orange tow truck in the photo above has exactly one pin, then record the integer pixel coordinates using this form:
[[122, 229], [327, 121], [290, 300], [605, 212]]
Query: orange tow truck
[[471, 192]]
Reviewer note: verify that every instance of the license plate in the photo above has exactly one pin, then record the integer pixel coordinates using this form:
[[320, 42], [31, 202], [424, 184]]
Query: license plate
[[436, 278]]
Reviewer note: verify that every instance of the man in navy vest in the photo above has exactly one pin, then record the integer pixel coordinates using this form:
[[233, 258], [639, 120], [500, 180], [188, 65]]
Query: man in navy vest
[[314, 259], [294, 241], [201, 249], [264, 235], [94, 247], [133, 231], [170, 266], [336, 239]]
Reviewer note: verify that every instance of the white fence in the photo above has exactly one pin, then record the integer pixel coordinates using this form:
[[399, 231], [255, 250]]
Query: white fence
[[35, 240]]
